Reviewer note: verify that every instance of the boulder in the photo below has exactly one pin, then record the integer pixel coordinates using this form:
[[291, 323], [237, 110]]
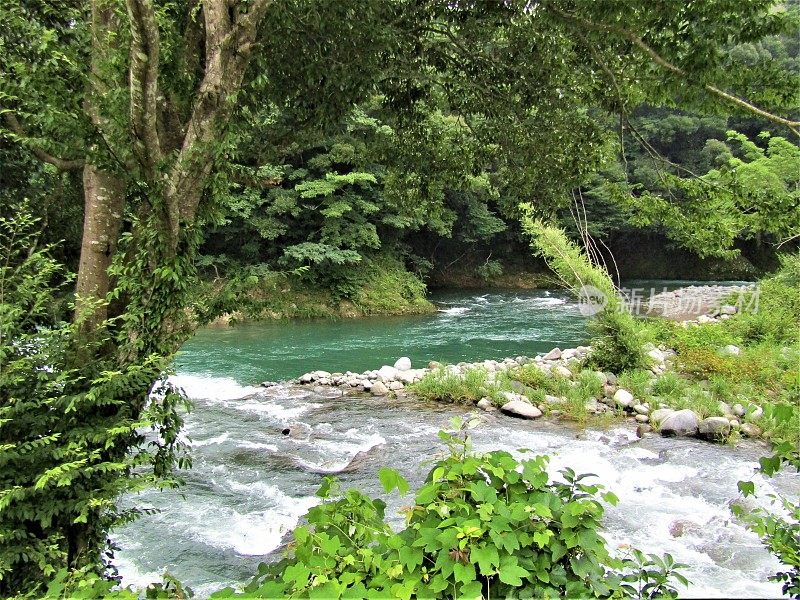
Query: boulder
[[553, 400], [411, 375], [643, 429], [682, 422], [403, 363], [611, 378], [750, 430], [554, 354], [714, 428], [433, 365], [569, 353], [396, 385], [641, 409], [562, 371], [656, 355], [660, 414], [378, 388], [387, 373], [642, 418], [727, 309], [757, 412], [601, 377], [521, 409], [594, 407], [739, 410], [623, 398]]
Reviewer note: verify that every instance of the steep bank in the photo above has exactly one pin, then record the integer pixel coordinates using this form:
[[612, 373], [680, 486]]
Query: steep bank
[[269, 295]]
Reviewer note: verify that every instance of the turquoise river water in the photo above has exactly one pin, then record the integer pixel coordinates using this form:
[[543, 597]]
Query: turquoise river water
[[251, 484]]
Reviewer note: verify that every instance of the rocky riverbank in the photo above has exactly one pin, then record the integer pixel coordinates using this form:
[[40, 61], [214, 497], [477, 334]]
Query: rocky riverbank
[[697, 303], [503, 383]]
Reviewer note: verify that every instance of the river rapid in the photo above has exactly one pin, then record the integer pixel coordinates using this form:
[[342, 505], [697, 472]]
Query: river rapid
[[251, 483]]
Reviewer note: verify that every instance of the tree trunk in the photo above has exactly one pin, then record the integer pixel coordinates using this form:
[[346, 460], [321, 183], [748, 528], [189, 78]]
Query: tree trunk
[[104, 201]]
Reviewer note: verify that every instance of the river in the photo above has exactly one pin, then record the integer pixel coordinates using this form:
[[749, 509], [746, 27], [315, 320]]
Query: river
[[246, 490]]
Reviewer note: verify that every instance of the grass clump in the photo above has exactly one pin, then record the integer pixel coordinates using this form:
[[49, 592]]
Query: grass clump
[[532, 376], [445, 386], [638, 382]]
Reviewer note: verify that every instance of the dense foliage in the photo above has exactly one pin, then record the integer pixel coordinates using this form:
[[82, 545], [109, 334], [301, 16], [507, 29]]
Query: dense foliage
[[71, 439]]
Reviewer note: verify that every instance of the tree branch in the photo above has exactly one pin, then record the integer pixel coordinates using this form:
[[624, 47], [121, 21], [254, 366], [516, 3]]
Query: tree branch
[[144, 57], [59, 163], [230, 41], [794, 126]]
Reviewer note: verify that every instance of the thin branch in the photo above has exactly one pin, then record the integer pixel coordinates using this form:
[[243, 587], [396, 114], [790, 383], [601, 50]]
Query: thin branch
[[794, 126], [44, 156]]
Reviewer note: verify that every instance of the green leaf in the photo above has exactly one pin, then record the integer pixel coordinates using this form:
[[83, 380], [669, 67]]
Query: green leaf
[[391, 479], [487, 558], [410, 557], [542, 538], [511, 573], [464, 573]]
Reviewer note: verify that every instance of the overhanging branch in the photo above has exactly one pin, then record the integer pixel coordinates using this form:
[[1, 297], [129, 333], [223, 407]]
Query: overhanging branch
[[794, 126], [59, 163]]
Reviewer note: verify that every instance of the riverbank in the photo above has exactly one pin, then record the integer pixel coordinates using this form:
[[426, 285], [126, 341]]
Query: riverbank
[[680, 394], [263, 295]]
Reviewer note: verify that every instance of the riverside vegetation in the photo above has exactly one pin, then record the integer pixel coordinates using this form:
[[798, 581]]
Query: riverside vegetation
[[165, 140]]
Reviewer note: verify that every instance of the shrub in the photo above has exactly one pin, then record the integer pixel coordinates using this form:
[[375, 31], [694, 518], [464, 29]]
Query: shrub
[[74, 433], [618, 339], [482, 525]]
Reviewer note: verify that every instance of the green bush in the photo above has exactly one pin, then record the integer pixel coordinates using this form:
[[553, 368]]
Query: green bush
[[617, 342], [74, 433], [483, 525]]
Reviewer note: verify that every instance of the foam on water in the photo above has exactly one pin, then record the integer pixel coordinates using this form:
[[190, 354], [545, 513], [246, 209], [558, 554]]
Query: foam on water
[[456, 310], [203, 387], [254, 533]]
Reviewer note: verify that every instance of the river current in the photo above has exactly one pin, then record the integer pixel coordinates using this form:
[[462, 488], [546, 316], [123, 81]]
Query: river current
[[250, 483]]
